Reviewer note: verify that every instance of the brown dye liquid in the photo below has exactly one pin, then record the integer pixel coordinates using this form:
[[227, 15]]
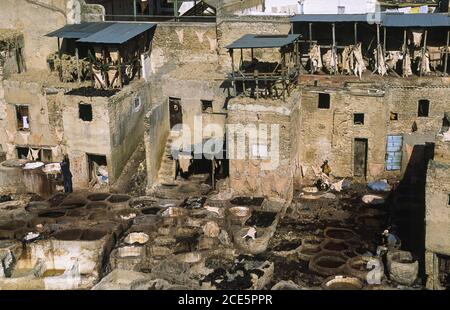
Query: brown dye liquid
[[328, 263], [342, 286], [53, 273]]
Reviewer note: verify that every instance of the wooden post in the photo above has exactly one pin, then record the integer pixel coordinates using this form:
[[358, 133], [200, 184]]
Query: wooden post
[[78, 64], [175, 9], [60, 61], [446, 53], [405, 51], [384, 40], [232, 72], [356, 33], [119, 68], [256, 84], [333, 49], [252, 54], [424, 48], [213, 168], [310, 43], [134, 9]]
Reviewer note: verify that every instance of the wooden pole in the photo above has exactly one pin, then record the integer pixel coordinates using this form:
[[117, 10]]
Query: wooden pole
[[310, 43], [384, 40], [213, 168], [334, 48], [134, 9], [256, 84], [60, 61], [446, 53], [423, 51], [405, 51], [356, 33], [77, 57], [119, 67], [232, 72]]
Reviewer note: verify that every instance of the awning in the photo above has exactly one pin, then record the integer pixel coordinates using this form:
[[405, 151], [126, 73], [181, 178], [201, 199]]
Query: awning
[[385, 19], [328, 18], [263, 41], [102, 32], [416, 20]]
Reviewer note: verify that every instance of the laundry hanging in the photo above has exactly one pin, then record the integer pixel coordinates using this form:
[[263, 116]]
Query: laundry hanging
[[35, 153], [315, 58]]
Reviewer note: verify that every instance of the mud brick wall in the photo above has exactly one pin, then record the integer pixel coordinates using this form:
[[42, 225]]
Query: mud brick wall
[[248, 176], [330, 133], [176, 43]]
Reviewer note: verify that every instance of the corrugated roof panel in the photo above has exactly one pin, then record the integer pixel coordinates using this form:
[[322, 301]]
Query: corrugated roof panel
[[416, 20], [78, 31], [117, 33], [263, 41], [329, 18]]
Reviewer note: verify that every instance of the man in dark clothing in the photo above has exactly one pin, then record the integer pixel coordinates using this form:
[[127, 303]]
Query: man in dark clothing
[[66, 174]]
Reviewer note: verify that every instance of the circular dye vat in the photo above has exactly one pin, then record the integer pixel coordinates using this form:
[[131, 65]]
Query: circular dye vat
[[92, 235], [342, 283], [150, 211], [56, 199], [98, 196], [68, 234], [334, 246], [119, 198], [73, 204], [129, 251], [339, 234], [37, 206], [96, 205], [52, 214], [136, 237]]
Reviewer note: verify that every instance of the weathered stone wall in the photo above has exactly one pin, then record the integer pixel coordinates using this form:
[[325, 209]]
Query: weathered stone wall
[[175, 43], [42, 132], [155, 137], [83, 137], [34, 18], [437, 208], [257, 177], [330, 133], [126, 123]]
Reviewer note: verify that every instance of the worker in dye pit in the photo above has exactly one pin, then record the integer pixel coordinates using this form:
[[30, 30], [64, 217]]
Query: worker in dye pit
[[326, 168], [391, 240], [66, 174]]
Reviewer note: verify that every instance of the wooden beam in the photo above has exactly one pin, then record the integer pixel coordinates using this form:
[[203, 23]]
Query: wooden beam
[[232, 72], [333, 54], [446, 53], [424, 48], [356, 33], [77, 57], [310, 43]]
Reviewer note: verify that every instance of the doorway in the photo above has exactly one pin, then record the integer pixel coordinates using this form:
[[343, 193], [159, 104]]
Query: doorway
[[97, 166], [175, 111], [360, 157]]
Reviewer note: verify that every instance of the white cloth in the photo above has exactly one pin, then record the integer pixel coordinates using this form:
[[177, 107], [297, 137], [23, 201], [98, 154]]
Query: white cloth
[[185, 162], [315, 58], [26, 125], [359, 66], [251, 233], [34, 153], [407, 70]]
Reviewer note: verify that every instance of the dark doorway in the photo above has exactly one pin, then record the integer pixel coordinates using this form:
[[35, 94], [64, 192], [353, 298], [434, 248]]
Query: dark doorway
[[176, 113], [22, 152], [94, 162], [360, 157]]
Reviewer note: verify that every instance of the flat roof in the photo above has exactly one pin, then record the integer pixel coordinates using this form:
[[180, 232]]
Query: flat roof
[[263, 41], [102, 32], [385, 19]]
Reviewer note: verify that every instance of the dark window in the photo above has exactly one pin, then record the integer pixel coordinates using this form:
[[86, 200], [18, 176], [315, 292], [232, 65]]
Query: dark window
[[46, 155], [324, 101], [358, 118], [22, 152], [85, 112], [424, 108], [207, 105], [23, 117], [394, 116]]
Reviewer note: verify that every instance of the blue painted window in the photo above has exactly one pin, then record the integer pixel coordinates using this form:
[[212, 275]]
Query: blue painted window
[[394, 153]]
